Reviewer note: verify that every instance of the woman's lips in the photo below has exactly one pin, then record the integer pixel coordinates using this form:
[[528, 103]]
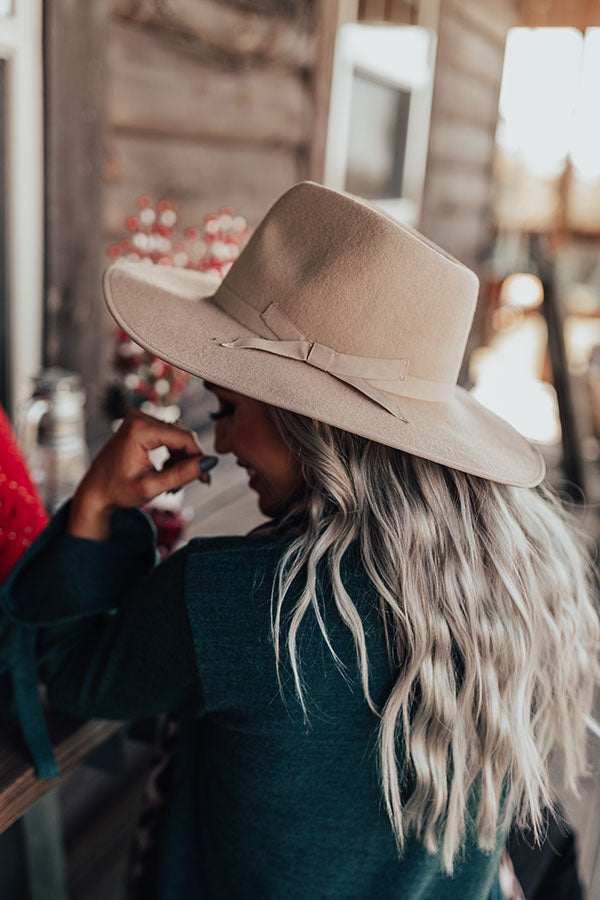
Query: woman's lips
[[253, 476]]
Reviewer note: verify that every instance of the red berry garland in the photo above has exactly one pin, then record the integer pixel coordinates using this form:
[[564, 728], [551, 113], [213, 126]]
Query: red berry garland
[[152, 238]]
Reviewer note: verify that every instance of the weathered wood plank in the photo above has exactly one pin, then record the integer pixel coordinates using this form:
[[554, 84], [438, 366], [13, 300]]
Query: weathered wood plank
[[493, 21], [372, 10], [468, 142], [470, 55], [396, 12], [198, 177], [459, 94], [19, 786], [155, 87], [468, 49], [463, 234], [331, 14], [451, 191], [239, 32], [580, 14], [402, 12]]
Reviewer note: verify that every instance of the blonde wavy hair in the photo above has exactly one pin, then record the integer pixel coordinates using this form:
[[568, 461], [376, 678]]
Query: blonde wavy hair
[[487, 600]]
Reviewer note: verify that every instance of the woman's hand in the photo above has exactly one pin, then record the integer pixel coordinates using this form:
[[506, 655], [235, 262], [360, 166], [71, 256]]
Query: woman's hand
[[122, 474]]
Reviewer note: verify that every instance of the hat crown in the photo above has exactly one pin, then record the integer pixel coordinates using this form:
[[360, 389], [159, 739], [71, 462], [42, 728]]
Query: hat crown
[[336, 312], [353, 279]]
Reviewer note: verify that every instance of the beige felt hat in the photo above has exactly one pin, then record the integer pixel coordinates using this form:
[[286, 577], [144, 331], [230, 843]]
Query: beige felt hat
[[335, 311]]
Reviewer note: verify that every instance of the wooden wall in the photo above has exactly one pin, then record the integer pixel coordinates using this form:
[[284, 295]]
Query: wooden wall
[[207, 104], [396, 12], [224, 102], [470, 54], [580, 14], [204, 102]]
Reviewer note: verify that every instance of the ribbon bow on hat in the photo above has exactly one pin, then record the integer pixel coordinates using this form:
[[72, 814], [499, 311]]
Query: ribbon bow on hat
[[374, 377], [358, 371]]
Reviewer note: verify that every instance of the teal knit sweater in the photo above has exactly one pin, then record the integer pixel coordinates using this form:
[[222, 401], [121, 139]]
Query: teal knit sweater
[[265, 805]]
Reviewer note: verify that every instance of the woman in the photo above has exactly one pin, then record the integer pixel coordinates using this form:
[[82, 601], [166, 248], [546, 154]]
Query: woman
[[370, 688]]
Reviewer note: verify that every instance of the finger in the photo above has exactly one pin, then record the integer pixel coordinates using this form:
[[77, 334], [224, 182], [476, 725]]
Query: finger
[[171, 478], [150, 433]]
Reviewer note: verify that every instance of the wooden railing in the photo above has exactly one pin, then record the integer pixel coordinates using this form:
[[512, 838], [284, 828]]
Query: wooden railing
[[73, 739]]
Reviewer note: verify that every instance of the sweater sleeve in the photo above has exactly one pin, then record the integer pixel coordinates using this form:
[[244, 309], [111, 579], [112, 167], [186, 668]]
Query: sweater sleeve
[[106, 631], [137, 662]]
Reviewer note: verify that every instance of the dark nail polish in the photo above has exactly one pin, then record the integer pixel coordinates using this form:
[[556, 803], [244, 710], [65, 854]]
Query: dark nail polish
[[207, 463]]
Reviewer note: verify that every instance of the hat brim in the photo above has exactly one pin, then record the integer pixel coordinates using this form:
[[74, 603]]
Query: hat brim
[[170, 312]]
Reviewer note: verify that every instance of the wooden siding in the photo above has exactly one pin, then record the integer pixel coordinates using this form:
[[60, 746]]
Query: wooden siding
[[210, 104], [470, 54], [202, 102], [273, 32], [207, 104], [183, 94], [396, 12], [580, 14]]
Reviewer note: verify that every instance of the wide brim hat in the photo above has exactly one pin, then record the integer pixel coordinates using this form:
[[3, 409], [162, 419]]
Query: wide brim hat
[[337, 312]]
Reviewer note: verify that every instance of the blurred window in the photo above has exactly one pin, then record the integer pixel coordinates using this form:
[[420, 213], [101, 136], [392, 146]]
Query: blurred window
[[377, 137], [21, 197], [548, 161], [379, 115]]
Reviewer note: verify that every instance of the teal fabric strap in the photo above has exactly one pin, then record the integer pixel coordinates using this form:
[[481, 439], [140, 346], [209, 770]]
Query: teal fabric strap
[[29, 705], [32, 607]]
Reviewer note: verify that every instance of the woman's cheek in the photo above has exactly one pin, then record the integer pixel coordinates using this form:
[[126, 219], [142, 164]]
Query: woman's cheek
[[222, 441]]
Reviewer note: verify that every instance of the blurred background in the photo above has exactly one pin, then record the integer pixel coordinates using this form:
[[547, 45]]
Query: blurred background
[[163, 130]]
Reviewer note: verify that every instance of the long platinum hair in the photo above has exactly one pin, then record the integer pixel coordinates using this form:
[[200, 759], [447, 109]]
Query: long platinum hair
[[487, 600]]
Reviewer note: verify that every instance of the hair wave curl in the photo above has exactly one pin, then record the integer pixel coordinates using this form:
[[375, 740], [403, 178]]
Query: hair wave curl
[[487, 598]]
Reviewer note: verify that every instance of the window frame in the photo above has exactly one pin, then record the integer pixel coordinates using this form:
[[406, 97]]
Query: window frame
[[21, 48]]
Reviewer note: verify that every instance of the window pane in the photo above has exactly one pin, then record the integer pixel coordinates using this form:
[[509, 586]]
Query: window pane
[[6, 7], [377, 137]]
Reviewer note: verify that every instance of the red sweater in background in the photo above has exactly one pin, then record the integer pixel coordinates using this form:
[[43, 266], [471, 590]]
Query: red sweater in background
[[22, 514]]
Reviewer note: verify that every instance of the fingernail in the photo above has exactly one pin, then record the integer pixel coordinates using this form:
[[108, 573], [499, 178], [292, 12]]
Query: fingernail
[[207, 463]]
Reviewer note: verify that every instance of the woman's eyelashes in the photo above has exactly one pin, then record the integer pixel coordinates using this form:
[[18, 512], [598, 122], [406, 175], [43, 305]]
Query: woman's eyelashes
[[226, 409]]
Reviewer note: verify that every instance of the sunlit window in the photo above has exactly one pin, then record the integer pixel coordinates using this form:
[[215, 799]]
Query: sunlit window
[[549, 122], [21, 196], [585, 136], [539, 85], [547, 180]]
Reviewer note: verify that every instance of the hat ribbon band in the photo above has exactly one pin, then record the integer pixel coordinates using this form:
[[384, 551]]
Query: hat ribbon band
[[370, 375], [322, 358]]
